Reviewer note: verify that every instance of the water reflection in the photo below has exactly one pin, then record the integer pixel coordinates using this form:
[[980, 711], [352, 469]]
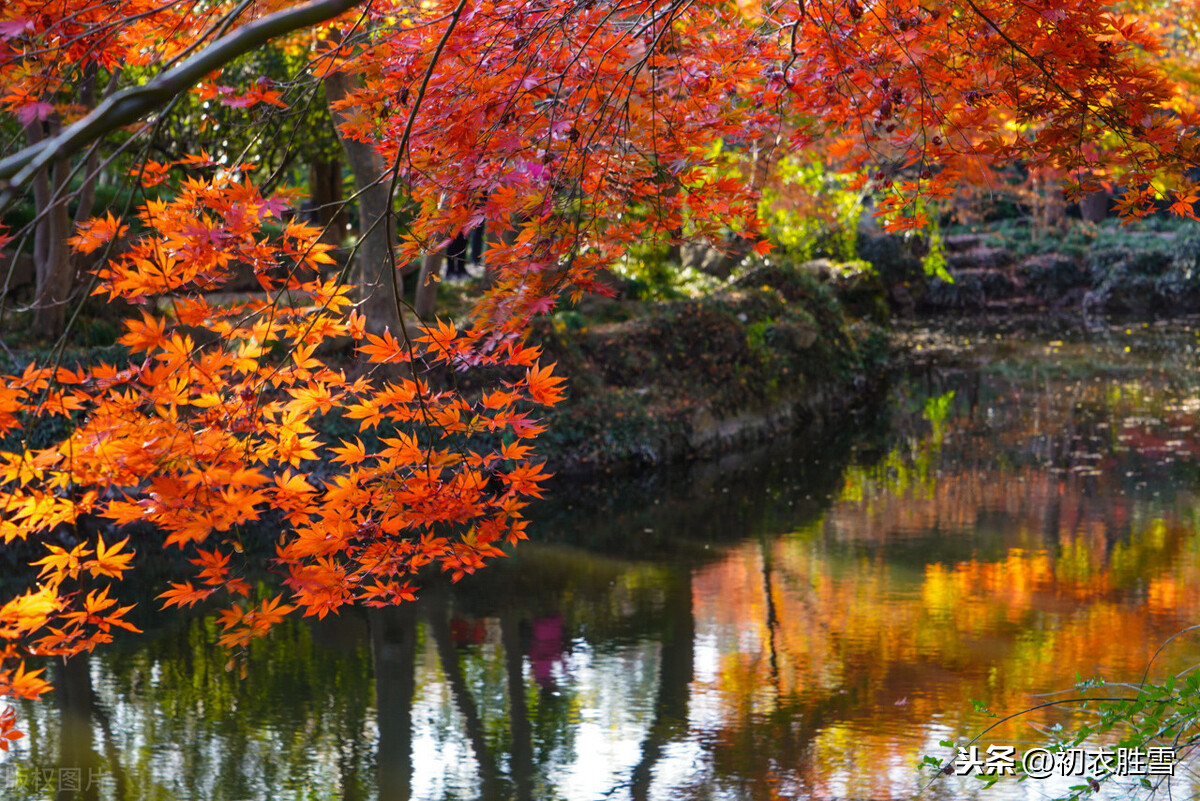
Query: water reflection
[[806, 621]]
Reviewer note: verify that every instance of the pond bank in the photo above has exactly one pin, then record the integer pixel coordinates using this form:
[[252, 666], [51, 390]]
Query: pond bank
[[693, 378], [787, 346]]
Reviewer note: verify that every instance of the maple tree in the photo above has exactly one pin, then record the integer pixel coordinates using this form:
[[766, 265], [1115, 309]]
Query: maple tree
[[573, 129]]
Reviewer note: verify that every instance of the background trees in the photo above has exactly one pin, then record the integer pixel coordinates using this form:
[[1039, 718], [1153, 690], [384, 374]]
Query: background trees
[[572, 129]]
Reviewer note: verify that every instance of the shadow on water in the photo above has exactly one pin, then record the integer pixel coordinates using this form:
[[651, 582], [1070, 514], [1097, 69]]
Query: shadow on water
[[803, 620]]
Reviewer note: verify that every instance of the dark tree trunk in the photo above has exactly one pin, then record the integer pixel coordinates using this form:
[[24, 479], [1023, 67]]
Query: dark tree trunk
[[329, 210], [393, 651], [373, 269], [1094, 207], [427, 285], [53, 266]]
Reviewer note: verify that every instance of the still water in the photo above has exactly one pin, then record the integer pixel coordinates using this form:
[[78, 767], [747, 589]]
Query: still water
[[805, 621]]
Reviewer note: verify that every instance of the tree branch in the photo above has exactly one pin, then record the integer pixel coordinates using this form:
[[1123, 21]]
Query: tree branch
[[132, 104]]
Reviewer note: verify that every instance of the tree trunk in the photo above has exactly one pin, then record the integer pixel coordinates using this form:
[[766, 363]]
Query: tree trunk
[[329, 210], [53, 268], [1094, 207], [427, 285], [54, 263], [373, 261]]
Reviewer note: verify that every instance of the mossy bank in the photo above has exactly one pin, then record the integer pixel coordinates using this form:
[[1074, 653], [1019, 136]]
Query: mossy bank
[[775, 350]]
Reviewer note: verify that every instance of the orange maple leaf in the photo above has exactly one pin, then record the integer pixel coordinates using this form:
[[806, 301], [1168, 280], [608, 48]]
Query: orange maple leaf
[[110, 561], [544, 387]]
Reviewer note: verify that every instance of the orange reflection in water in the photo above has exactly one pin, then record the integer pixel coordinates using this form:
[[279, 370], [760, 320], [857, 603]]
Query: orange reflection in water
[[857, 663]]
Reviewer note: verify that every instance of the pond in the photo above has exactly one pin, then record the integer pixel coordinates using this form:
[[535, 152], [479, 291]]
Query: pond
[[803, 621]]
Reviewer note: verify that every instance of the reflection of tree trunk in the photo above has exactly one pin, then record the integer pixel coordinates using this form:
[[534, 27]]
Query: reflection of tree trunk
[[77, 757], [674, 682], [393, 652], [1052, 523], [439, 627], [518, 712], [768, 568]]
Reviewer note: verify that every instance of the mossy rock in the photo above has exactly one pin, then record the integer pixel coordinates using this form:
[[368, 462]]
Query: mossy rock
[[1140, 281], [1050, 275], [892, 257], [972, 288]]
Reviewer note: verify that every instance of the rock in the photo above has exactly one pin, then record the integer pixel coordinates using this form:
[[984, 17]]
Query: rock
[[959, 243], [708, 259], [822, 269], [980, 257], [1050, 275]]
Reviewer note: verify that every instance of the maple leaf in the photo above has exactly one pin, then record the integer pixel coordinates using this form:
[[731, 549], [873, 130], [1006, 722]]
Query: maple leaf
[[525, 479], [109, 561], [184, 594], [387, 593], [350, 453], [440, 336], [62, 563], [23, 684], [357, 325], [12, 28], [38, 110], [96, 232], [8, 730], [544, 387], [384, 348], [28, 611], [514, 451]]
